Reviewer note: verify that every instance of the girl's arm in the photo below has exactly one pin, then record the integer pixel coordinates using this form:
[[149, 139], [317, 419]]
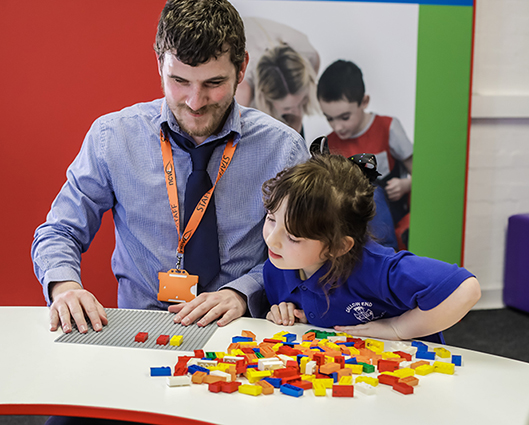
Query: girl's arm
[[417, 323]]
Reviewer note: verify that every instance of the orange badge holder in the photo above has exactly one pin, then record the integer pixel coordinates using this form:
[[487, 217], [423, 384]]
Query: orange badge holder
[[177, 286]]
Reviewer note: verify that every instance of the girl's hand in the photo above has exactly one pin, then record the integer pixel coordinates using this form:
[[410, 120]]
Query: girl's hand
[[286, 314]]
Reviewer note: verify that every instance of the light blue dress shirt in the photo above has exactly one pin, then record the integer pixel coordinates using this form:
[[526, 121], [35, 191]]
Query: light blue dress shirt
[[120, 168]]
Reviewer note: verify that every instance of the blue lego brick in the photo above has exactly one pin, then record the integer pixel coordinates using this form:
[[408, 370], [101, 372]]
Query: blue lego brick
[[241, 339], [291, 390], [290, 337], [194, 368], [421, 346], [161, 371], [347, 344], [457, 360], [425, 355], [276, 382], [352, 360]]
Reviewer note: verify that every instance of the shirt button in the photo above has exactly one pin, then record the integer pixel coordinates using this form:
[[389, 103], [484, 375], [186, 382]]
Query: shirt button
[[303, 287], [312, 315]]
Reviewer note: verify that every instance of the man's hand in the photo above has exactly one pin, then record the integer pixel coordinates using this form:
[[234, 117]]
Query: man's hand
[[397, 188], [286, 314], [70, 300], [208, 306]]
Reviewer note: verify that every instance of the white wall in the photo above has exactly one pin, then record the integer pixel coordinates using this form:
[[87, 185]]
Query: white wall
[[498, 179]]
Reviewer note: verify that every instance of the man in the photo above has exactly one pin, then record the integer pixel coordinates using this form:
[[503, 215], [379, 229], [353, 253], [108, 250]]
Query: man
[[201, 59]]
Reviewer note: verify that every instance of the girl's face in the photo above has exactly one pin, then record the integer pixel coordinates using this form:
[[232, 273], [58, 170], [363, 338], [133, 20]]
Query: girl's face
[[288, 252]]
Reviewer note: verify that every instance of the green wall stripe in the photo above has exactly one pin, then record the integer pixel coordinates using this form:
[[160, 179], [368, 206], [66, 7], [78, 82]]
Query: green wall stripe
[[441, 124]]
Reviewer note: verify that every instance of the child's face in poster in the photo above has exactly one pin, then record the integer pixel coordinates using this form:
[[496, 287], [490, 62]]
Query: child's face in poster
[[346, 118]]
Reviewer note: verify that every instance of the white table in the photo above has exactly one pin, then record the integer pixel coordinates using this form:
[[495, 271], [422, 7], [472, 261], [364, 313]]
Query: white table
[[41, 377]]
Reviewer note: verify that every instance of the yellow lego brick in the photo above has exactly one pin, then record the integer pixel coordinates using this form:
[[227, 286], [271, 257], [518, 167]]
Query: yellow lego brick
[[250, 389], [303, 362], [254, 375], [307, 377], [327, 382], [220, 354], [176, 340], [368, 380], [238, 352], [376, 346], [276, 346], [319, 389], [389, 373], [443, 367], [357, 369], [250, 344], [442, 352], [329, 359], [306, 344], [402, 373], [389, 355], [333, 346], [424, 370], [354, 351], [343, 334], [346, 380]]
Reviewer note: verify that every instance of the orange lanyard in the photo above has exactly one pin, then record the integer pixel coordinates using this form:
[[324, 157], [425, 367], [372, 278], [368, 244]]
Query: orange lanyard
[[172, 192]]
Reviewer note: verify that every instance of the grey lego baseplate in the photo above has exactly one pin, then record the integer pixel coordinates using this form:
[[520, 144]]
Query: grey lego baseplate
[[124, 325]]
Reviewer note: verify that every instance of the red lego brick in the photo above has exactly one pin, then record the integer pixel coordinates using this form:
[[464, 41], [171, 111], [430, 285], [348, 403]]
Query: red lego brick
[[285, 372], [387, 365], [387, 379], [290, 379], [141, 337], [215, 387], [301, 383], [340, 360], [319, 358], [403, 388], [289, 351], [343, 391], [404, 355], [162, 340], [199, 354], [230, 387], [180, 370]]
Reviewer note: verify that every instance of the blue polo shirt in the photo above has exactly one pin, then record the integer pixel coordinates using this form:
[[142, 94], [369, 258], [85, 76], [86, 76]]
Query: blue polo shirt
[[383, 284]]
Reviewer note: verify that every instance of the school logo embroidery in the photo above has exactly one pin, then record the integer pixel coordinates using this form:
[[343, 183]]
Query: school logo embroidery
[[362, 311]]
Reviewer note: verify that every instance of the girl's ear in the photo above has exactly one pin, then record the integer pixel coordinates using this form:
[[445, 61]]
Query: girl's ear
[[347, 243]]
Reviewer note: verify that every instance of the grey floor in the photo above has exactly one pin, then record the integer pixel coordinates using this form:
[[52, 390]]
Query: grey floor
[[503, 332]]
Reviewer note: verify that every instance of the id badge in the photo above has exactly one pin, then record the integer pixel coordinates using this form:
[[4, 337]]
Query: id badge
[[177, 286]]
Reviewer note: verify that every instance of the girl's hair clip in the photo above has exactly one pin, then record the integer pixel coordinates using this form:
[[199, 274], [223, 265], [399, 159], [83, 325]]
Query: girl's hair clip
[[368, 164], [319, 146]]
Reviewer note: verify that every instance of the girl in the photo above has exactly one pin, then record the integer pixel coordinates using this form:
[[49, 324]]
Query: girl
[[325, 270]]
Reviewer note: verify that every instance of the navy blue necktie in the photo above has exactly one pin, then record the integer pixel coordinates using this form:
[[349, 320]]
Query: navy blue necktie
[[201, 253]]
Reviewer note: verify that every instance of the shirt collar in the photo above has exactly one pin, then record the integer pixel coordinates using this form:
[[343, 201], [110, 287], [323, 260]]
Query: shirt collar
[[293, 280], [232, 124]]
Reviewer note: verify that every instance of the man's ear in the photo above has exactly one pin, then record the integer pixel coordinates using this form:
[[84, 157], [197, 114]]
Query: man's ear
[[347, 244], [244, 65]]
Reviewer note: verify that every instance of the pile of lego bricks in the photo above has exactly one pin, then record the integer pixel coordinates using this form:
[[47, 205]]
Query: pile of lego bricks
[[322, 361]]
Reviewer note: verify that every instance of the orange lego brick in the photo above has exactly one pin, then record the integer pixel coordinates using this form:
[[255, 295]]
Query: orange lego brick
[[329, 368], [198, 377], [410, 380], [268, 388], [419, 363], [210, 379], [248, 334]]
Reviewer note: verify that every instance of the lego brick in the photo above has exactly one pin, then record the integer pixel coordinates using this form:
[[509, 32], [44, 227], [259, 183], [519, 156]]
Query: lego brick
[[365, 388], [387, 365], [345, 380], [426, 355], [410, 380], [291, 390], [356, 369], [404, 355], [226, 377], [443, 367], [268, 388], [178, 381], [329, 368], [343, 391], [161, 371], [319, 389], [162, 340], [230, 387], [248, 334], [198, 377], [403, 388], [442, 352], [241, 339], [141, 337], [327, 382], [424, 370], [402, 373], [367, 368], [387, 379], [254, 390], [415, 365], [368, 380], [301, 383], [176, 340], [215, 387], [275, 382], [457, 360], [194, 368]]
